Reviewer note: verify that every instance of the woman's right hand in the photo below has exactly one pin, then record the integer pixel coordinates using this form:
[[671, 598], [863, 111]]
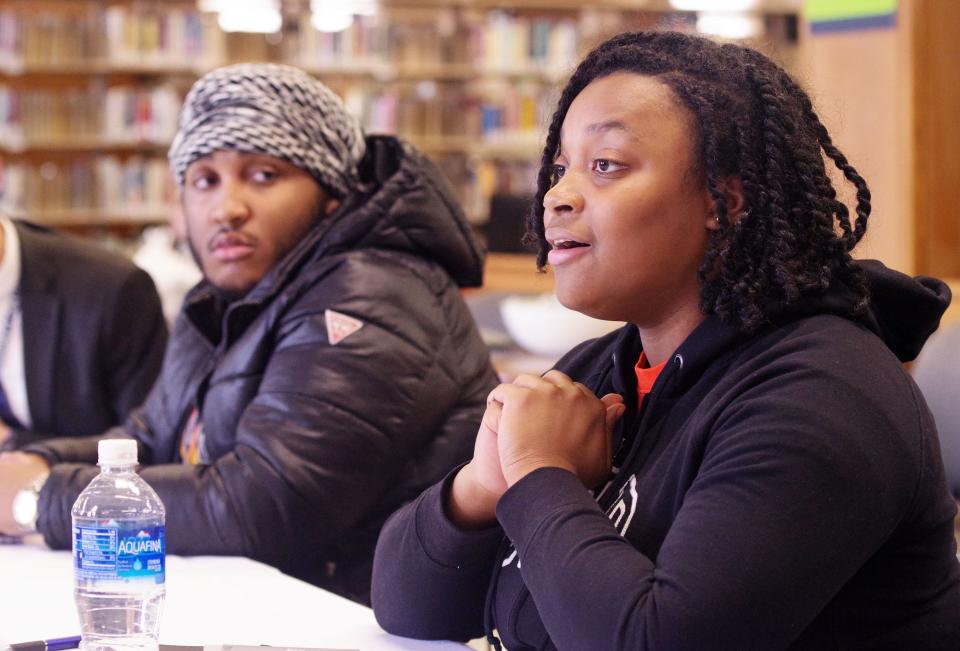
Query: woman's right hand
[[479, 484]]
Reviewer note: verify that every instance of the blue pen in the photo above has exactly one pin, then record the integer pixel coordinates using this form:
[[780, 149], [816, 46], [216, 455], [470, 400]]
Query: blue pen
[[56, 644]]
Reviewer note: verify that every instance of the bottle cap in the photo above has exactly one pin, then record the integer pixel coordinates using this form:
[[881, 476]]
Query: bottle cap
[[117, 452]]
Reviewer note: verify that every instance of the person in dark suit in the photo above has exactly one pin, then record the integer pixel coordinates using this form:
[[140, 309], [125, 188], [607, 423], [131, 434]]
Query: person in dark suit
[[82, 335]]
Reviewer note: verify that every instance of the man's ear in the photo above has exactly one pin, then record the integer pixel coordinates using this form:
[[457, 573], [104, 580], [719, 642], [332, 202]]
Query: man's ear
[[330, 205], [731, 187]]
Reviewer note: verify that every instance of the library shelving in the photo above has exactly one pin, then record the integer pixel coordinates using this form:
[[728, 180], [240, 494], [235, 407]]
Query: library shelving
[[90, 89], [89, 95]]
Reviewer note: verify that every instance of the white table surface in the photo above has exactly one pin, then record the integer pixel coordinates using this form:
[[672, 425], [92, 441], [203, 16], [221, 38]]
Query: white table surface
[[210, 600]]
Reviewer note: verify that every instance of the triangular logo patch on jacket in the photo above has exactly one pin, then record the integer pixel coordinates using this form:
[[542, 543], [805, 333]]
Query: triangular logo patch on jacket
[[340, 326]]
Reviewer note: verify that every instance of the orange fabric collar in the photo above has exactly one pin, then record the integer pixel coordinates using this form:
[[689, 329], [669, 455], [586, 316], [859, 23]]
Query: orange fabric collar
[[646, 375]]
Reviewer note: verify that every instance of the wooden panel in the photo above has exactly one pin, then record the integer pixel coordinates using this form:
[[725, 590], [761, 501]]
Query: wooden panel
[[937, 137], [860, 83], [515, 273], [953, 312]]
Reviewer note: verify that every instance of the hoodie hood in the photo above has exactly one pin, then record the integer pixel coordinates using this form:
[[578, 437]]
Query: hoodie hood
[[411, 208], [902, 311]]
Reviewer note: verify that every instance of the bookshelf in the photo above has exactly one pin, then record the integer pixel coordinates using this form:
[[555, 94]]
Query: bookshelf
[[89, 95], [90, 90]]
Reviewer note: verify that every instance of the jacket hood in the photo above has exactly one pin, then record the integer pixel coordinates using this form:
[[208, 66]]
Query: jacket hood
[[902, 311], [411, 208]]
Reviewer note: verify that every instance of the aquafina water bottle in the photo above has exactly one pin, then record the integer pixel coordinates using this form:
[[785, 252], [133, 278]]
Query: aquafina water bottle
[[119, 554]]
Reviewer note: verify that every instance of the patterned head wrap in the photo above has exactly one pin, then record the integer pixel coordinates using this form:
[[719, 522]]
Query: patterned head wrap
[[271, 109]]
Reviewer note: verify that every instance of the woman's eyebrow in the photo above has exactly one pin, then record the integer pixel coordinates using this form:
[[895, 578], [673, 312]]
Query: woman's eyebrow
[[607, 125], [613, 125]]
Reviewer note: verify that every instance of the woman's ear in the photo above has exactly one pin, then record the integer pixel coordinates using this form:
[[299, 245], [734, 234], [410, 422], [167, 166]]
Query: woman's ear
[[732, 189]]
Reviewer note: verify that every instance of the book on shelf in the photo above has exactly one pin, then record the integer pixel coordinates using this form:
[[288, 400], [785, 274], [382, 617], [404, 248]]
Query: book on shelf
[[474, 87], [88, 116], [133, 114], [460, 43], [102, 185], [117, 35], [512, 44], [173, 36]]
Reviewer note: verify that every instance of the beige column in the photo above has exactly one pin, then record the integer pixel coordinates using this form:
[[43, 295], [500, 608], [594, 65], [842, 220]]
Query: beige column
[[861, 83]]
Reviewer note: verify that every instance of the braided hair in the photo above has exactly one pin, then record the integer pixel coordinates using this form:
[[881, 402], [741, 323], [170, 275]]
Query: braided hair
[[754, 122]]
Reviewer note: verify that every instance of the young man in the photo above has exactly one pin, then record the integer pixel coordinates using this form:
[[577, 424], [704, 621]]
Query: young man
[[326, 369], [81, 336]]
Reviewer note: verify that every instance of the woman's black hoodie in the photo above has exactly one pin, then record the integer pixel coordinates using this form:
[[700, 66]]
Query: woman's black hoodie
[[779, 490]]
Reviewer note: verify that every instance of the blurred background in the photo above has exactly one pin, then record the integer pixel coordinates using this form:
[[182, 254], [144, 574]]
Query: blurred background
[[90, 89]]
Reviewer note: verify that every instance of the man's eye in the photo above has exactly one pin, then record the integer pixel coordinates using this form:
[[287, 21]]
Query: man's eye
[[263, 176], [203, 181]]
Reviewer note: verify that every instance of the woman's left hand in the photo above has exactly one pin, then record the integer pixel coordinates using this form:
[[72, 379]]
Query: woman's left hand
[[552, 421]]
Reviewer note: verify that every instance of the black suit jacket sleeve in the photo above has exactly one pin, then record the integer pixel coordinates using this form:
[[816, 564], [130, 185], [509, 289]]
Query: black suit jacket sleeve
[[130, 339], [131, 356], [94, 335]]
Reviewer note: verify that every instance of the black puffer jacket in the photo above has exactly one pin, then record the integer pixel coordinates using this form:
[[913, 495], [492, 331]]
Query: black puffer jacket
[[312, 445]]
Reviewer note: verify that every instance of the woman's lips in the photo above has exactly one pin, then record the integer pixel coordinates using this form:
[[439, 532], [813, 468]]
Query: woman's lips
[[230, 247], [557, 257], [565, 246]]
